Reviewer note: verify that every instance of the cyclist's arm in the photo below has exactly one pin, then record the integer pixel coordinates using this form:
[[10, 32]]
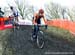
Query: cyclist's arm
[[34, 20], [45, 20]]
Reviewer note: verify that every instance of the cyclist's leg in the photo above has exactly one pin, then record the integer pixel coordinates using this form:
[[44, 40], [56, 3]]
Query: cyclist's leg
[[16, 19], [12, 21], [34, 35]]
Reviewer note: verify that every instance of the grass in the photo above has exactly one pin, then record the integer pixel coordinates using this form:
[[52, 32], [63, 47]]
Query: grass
[[53, 32], [3, 36], [61, 33]]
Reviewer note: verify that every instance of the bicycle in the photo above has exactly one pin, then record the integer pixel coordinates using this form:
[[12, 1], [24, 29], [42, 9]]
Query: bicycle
[[39, 38], [14, 22]]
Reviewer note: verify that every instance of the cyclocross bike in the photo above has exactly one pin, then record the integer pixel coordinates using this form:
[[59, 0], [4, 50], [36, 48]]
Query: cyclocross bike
[[39, 37]]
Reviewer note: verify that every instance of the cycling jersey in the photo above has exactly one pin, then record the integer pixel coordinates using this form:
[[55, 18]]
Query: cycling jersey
[[14, 15], [38, 18], [15, 12]]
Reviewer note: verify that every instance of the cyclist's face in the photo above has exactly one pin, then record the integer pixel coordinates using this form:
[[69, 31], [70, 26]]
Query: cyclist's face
[[41, 14]]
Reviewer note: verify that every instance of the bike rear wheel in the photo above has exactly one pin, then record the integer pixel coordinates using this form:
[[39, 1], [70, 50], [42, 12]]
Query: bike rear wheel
[[40, 39]]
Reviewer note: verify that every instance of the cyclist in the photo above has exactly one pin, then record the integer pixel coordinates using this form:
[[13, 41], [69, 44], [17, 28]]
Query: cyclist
[[14, 15], [37, 20]]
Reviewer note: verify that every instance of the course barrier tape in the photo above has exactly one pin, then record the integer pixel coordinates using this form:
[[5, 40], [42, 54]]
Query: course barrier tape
[[65, 24], [3, 25]]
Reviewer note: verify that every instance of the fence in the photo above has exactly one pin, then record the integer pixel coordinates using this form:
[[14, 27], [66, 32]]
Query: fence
[[66, 24]]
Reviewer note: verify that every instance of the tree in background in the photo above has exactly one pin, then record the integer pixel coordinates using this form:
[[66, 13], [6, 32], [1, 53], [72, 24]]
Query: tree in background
[[24, 9], [71, 13], [52, 10], [55, 11]]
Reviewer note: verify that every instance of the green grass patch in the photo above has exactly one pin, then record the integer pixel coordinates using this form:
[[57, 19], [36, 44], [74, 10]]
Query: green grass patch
[[60, 33], [3, 37]]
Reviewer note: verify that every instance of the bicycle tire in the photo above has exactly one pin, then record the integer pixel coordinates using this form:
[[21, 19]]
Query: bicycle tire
[[40, 40]]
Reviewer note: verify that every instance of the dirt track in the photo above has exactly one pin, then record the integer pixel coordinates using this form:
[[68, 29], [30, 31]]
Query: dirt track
[[18, 43]]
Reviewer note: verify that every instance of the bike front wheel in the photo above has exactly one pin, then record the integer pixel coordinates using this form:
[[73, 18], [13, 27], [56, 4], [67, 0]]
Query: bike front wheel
[[40, 39]]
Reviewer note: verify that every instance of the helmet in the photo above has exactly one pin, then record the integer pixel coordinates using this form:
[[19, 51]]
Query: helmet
[[41, 11], [11, 7]]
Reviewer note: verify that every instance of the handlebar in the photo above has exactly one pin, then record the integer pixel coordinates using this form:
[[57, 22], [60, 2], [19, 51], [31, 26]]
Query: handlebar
[[41, 25]]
